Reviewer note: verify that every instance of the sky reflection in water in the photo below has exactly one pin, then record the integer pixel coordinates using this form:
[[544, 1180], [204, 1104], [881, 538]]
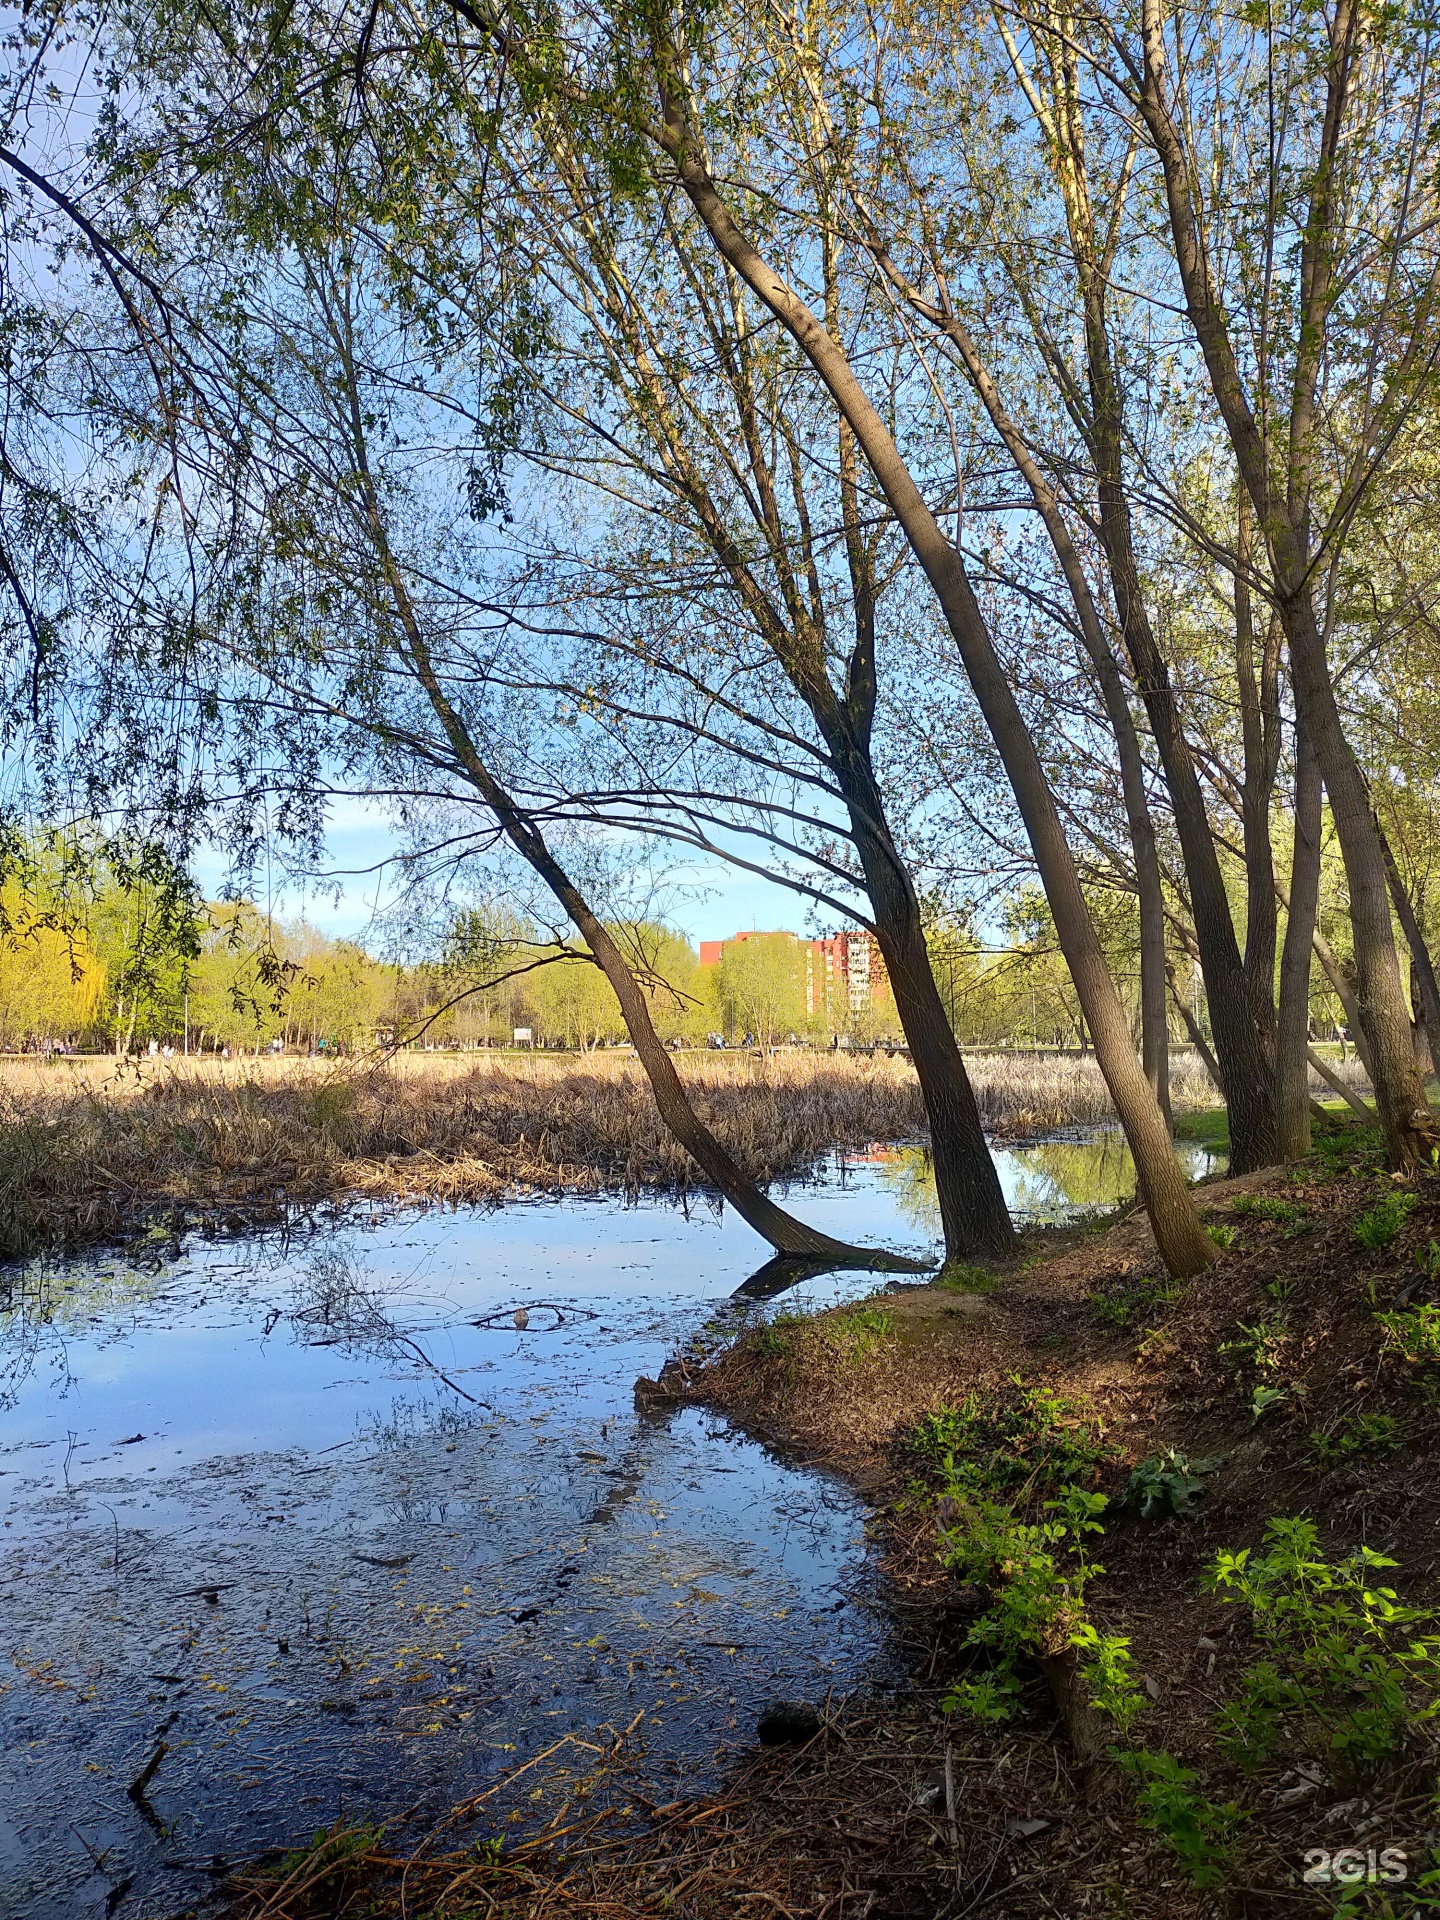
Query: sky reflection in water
[[315, 1513]]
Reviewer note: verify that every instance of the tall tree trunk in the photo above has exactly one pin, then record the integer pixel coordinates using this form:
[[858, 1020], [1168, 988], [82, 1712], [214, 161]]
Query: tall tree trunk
[[1154, 1015], [1292, 1040], [972, 1203], [1260, 733], [1182, 1241], [1282, 512], [1384, 1015], [1248, 1075], [1154, 1028], [1421, 964]]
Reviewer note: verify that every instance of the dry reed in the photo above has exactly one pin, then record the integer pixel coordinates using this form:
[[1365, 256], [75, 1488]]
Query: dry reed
[[94, 1149], [83, 1157]]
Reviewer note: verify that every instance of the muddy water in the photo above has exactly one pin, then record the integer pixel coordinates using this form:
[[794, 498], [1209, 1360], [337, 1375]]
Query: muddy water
[[318, 1518]]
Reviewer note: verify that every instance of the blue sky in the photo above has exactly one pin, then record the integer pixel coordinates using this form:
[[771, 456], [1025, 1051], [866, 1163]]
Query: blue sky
[[710, 901]]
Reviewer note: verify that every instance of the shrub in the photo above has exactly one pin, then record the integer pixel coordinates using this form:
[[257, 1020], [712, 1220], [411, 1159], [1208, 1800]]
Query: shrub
[[1346, 1668], [1037, 1574]]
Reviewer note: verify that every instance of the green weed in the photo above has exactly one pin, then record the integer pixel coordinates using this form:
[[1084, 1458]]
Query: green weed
[[1413, 1331], [1347, 1147], [1200, 1832], [1291, 1216], [1168, 1483], [1033, 1439], [1223, 1236], [1265, 1399], [1258, 1344], [1354, 1433], [1122, 1306], [1381, 1224], [331, 1858]]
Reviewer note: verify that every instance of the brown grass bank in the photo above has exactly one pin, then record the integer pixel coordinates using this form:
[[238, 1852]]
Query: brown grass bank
[[1303, 1375]]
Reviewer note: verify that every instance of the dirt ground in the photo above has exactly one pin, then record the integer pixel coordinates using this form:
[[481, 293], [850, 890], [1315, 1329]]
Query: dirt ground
[[1273, 1364]]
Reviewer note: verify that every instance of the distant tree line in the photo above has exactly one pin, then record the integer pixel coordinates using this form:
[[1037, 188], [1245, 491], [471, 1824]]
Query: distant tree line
[[108, 971]]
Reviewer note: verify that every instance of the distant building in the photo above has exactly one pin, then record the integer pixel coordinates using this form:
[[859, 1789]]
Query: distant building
[[844, 972]]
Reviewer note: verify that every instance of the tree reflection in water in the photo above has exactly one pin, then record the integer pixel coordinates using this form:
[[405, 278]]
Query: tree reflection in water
[[1045, 1183]]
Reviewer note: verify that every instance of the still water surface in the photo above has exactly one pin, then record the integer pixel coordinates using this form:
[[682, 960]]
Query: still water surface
[[316, 1514]]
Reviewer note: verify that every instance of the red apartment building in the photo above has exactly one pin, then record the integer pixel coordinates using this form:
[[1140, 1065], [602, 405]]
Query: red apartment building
[[843, 972]]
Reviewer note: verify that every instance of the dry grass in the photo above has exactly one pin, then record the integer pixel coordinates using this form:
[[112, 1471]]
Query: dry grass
[[85, 1155], [91, 1149], [833, 1829]]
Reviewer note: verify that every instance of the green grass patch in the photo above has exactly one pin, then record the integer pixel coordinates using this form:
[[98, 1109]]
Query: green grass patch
[[1291, 1216], [1206, 1127], [776, 1339], [957, 1277], [855, 1335], [1131, 1303], [1030, 1437], [1381, 1224]]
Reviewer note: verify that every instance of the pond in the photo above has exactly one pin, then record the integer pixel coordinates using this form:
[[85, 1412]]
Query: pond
[[1045, 1183], [314, 1521]]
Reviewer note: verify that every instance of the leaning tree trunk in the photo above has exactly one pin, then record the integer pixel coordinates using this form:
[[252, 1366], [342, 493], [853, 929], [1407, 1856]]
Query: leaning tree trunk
[[784, 1232], [1182, 1241], [1154, 1026], [1292, 1039]]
